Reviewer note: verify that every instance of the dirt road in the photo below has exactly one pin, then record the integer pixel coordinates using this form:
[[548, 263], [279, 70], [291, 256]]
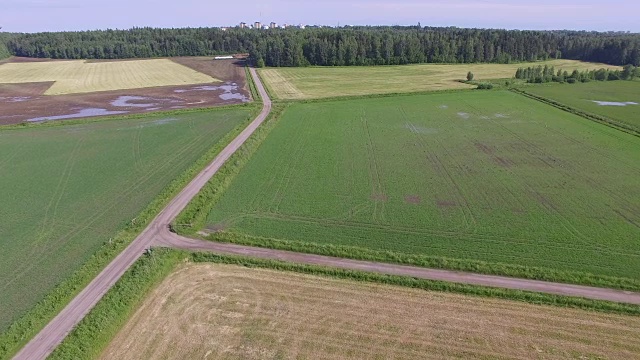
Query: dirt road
[[168, 239], [45, 342], [157, 234]]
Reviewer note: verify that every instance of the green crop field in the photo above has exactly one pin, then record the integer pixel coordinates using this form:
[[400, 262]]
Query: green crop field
[[490, 176], [322, 82], [615, 100], [66, 190]]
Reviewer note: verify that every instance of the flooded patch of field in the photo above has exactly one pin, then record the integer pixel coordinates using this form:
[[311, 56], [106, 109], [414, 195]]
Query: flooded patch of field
[[14, 98], [88, 112], [141, 101], [230, 91], [614, 103]]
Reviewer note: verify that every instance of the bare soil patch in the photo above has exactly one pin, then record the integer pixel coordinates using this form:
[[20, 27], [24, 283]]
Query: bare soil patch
[[412, 199], [230, 312], [26, 102]]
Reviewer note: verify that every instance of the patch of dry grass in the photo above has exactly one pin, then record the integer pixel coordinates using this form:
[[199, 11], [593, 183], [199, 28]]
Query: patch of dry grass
[[321, 82], [80, 76], [229, 312]]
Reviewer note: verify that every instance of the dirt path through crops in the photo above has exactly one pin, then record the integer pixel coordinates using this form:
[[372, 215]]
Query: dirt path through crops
[[157, 234]]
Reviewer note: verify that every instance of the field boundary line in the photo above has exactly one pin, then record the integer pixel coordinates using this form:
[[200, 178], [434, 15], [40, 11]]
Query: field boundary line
[[584, 114]]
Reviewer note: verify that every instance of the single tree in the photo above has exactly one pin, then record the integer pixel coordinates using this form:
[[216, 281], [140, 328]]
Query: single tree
[[469, 76]]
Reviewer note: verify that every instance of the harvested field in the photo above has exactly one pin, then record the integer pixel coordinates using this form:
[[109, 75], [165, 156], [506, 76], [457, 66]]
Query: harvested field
[[28, 102], [80, 76], [231, 312], [322, 82], [484, 176], [615, 100], [67, 190]]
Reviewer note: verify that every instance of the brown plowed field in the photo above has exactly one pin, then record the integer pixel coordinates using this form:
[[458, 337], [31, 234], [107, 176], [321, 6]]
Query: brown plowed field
[[27, 102], [230, 312]]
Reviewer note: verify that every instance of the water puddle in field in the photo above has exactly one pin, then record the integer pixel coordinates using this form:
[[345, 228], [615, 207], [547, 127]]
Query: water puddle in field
[[14, 98], [141, 101], [614, 103], [229, 91], [420, 130], [150, 123], [88, 112], [163, 121]]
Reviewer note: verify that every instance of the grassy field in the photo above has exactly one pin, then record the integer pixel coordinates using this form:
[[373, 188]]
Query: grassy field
[[488, 176], [231, 312], [616, 97], [80, 76], [322, 82], [70, 188]]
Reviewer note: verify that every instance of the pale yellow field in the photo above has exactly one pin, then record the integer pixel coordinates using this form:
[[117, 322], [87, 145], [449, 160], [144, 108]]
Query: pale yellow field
[[210, 311], [321, 82], [79, 76]]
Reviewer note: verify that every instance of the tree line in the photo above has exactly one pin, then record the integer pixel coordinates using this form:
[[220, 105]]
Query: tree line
[[336, 46], [4, 50], [539, 74]]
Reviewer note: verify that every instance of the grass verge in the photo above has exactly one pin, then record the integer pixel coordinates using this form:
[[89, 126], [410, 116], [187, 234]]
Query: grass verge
[[21, 331], [434, 262], [193, 217], [96, 330], [252, 85]]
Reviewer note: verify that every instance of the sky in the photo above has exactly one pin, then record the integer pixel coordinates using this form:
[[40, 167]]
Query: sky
[[57, 15]]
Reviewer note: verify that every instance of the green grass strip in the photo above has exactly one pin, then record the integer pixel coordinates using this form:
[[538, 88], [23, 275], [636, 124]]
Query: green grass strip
[[93, 334], [252, 85], [28, 325], [434, 262]]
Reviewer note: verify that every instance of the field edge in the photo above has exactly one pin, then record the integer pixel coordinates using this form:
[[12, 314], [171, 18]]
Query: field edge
[[31, 322], [584, 114], [95, 331]]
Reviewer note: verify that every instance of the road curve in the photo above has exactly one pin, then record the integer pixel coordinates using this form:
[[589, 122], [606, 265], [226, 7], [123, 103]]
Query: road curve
[[168, 239], [52, 335]]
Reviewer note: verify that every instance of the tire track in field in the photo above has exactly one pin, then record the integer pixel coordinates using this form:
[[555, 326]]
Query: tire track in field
[[435, 161], [503, 240], [47, 226], [377, 190], [38, 252]]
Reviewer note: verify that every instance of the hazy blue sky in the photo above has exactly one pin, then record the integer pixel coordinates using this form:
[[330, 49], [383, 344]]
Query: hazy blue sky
[[52, 15]]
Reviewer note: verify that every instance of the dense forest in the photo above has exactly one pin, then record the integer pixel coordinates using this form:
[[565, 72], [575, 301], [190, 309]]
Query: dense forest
[[4, 50], [337, 46]]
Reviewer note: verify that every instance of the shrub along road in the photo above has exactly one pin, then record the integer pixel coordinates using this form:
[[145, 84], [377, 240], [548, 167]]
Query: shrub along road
[[158, 234]]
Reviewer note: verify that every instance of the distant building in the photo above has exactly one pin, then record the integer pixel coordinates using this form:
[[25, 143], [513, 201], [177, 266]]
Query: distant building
[[223, 28], [265, 27], [301, 26], [283, 26], [243, 25], [225, 57], [257, 25], [273, 25]]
